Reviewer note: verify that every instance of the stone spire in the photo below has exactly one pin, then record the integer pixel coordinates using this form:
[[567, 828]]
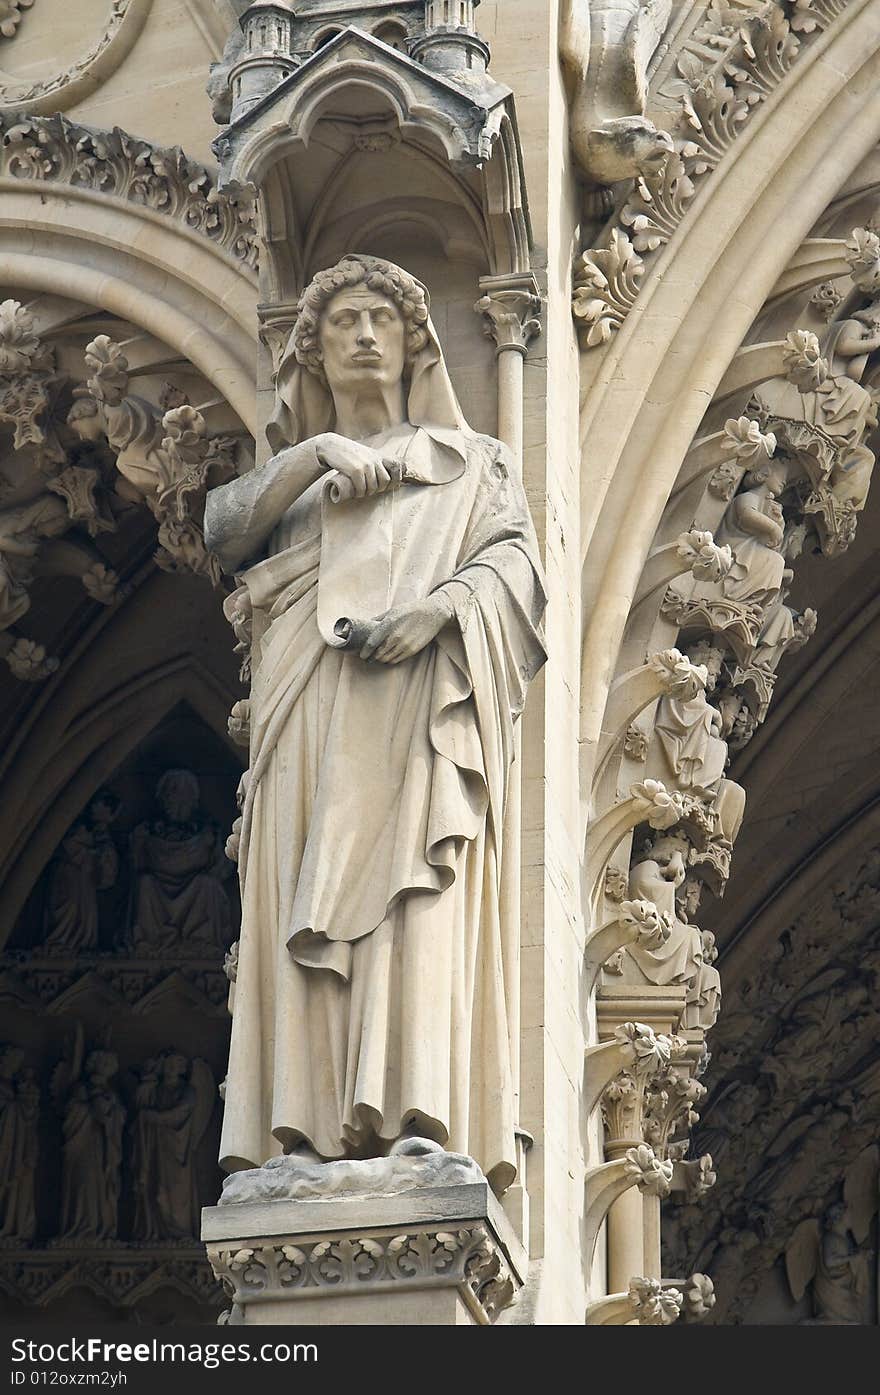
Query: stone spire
[[450, 43], [266, 56]]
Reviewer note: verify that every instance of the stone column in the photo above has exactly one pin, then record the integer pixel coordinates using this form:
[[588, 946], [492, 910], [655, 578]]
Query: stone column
[[511, 305], [634, 1219]]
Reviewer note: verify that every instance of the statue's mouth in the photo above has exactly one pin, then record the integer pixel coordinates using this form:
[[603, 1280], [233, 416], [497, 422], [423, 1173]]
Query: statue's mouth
[[366, 358]]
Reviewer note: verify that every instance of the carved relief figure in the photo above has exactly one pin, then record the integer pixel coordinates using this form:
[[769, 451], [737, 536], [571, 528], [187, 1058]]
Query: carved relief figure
[[133, 426], [754, 528], [21, 531], [692, 752], [826, 1255], [836, 399], [87, 862], [656, 875], [178, 862], [19, 1145], [91, 1153], [173, 1105], [164, 456], [396, 591]]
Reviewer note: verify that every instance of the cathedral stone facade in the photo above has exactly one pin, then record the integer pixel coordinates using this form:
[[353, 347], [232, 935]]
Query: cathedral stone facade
[[438, 642]]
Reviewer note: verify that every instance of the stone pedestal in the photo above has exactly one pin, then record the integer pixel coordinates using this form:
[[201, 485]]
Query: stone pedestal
[[444, 1256]]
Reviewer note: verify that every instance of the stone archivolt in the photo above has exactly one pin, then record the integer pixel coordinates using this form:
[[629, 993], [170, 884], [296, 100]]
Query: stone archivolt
[[786, 477], [70, 84], [51, 149], [74, 471], [721, 66]]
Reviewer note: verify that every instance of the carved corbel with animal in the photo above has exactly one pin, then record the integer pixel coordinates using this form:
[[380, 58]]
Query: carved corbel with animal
[[605, 47]]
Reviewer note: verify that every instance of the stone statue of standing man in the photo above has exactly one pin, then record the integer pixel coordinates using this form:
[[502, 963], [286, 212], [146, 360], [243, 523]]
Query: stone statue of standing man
[[390, 567]]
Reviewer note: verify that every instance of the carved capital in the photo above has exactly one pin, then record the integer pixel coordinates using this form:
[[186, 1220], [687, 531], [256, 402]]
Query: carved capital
[[511, 308], [670, 1107]]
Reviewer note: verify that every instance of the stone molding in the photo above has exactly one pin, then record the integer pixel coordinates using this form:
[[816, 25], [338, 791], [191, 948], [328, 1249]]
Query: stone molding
[[114, 164], [55, 983], [62, 89], [444, 1237], [468, 1258], [121, 1273]]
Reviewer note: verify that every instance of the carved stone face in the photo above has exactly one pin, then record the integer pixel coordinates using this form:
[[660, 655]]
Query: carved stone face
[[173, 1067], [362, 339], [86, 422], [178, 795]]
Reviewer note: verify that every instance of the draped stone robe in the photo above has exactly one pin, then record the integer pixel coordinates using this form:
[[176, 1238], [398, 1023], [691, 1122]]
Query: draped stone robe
[[374, 968]]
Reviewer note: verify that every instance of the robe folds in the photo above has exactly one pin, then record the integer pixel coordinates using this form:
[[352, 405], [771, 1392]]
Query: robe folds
[[374, 971]]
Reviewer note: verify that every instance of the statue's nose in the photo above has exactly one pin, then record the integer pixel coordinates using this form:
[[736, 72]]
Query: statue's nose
[[366, 335]]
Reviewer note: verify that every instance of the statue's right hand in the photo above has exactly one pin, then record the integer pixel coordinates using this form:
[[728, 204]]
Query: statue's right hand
[[361, 471]]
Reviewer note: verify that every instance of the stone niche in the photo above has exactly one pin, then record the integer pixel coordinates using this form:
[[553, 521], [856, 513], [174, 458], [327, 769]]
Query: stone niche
[[114, 1044]]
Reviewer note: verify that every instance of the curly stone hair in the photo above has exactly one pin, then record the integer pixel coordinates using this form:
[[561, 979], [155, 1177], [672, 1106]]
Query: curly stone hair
[[357, 269]]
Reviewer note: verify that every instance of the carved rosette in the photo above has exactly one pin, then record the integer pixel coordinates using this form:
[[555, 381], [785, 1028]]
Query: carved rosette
[[468, 1258]]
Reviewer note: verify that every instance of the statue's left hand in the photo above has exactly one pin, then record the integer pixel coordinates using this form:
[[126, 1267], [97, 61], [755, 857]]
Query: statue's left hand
[[407, 629]]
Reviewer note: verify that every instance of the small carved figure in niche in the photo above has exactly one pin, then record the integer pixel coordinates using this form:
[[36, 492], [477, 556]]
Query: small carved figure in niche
[[837, 402], [87, 862], [91, 1152], [19, 1145], [173, 1104], [753, 527], [179, 866], [692, 752], [707, 995], [22, 529], [656, 876], [784, 630], [826, 1255], [133, 426]]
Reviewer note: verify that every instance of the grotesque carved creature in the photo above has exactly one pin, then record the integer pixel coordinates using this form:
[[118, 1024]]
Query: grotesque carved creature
[[605, 47]]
